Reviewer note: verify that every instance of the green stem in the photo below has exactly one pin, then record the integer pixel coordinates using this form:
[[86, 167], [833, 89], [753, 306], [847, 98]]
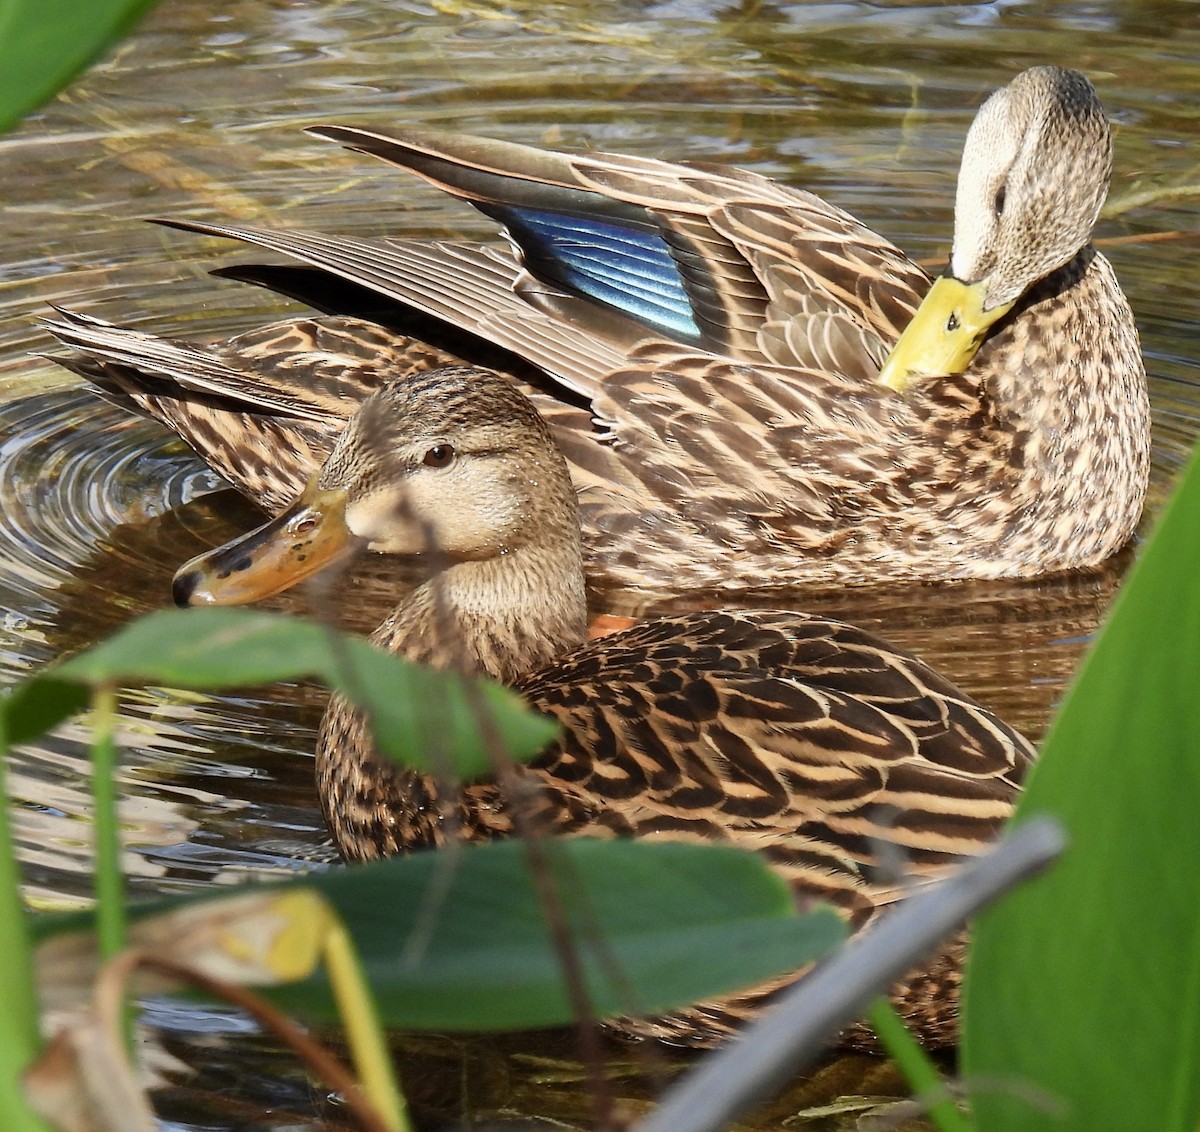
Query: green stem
[[360, 1018], [20, 1041], [110, 885], [920, 1073]]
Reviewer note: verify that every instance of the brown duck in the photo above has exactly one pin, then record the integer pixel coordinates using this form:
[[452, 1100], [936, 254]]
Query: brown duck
[[804, 738], [707, 345]]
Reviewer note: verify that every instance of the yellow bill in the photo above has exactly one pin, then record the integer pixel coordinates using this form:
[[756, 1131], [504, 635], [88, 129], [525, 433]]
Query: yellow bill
[[944, 334]]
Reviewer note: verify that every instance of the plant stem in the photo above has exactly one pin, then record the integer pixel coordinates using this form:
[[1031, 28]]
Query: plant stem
[[368, 1049], [919, 1071], [20, 1041], [110, 885]]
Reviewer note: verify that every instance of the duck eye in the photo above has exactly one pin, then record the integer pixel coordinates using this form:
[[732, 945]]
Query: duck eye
[[439, 456], [998, 202]]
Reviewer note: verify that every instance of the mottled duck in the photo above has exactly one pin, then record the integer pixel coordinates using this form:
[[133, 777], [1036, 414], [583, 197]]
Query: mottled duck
[[707, 346], [807, 739]]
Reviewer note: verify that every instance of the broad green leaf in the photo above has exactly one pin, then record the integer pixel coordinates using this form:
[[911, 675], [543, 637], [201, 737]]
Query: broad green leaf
[[456, 940], [420, 717], [679, 922], [1084, 986], [45, 43]]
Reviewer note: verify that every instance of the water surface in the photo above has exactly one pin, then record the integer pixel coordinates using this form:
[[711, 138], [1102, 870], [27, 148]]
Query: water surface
[[200, 114]]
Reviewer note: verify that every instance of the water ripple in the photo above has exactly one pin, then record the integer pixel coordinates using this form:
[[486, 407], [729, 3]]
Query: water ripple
[[201, 114]]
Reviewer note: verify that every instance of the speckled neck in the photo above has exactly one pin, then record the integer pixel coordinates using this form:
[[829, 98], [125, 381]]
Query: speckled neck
[[503, 616], [1074, 402]]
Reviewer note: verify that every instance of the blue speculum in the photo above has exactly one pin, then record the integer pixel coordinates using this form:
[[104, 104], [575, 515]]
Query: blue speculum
[[625, 267]]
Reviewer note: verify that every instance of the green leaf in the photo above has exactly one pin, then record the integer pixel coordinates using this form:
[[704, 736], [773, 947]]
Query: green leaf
[[422, 718], [1084, 986], [35, 706], [679, 922], [455, 939], [45, 43]]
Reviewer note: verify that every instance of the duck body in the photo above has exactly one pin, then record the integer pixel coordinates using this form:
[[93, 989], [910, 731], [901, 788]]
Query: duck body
[[818, 745], [779, 729], [707, 346], [804, 738]]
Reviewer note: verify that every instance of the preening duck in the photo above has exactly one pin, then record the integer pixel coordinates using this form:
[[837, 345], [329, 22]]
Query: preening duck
[[707, 345]]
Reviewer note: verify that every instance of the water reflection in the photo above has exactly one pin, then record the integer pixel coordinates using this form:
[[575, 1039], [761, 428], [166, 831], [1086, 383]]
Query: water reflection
[[200, 115]]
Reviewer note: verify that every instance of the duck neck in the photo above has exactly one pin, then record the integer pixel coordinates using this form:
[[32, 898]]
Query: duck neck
[[503, 616], [1071, 395], [1067, 378]]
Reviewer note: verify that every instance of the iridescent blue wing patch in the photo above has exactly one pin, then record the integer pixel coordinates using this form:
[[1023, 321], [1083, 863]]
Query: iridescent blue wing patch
[[625, 265]]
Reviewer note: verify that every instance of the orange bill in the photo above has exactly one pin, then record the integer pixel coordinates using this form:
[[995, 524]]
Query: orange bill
[[308, 536]]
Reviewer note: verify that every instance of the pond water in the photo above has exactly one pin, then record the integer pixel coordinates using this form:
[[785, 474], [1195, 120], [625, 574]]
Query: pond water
[[200, 113]]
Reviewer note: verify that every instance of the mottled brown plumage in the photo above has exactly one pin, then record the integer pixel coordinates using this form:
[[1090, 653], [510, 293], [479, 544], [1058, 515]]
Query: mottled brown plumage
[[735, 434], [804, 738], [264, 408]]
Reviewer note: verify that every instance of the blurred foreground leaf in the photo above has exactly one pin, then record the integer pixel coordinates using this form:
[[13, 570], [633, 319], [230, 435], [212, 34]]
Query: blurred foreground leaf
[[455, 939], [1084, 986], [45, 43], [425, 719]]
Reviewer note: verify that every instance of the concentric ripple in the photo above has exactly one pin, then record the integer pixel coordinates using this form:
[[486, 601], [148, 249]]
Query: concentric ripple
[[73, 469], [99, 504]]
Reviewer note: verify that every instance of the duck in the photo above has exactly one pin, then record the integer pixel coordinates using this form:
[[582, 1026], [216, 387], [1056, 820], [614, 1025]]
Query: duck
[[806, 739], [752, 388]]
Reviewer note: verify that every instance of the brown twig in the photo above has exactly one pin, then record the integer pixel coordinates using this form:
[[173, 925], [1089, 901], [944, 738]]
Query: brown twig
[[314, 1055]]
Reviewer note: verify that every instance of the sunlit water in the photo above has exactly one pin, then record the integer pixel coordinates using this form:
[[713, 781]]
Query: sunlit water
[[200, 115]]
